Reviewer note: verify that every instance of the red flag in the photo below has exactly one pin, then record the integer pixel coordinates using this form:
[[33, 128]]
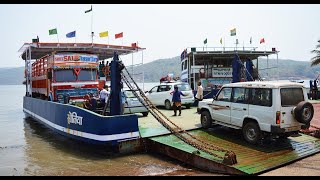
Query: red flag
[[119, 35], [262, 40]]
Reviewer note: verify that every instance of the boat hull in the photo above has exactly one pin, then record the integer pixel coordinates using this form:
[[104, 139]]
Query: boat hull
[[82, 124]]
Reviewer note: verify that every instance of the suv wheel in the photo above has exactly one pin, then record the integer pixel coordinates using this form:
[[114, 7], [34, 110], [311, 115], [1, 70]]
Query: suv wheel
[[251, 132], [303, 112], [188, 106], [206, 120], [167, 104]]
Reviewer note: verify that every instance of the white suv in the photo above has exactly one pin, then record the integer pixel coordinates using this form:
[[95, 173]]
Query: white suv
[[160, 95], [260, 108]]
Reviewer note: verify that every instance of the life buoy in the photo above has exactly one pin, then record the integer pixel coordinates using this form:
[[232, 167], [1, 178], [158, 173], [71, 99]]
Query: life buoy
[[106, 70]]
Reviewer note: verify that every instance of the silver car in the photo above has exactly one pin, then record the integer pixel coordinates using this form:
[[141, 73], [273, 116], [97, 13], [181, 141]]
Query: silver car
[[133, 105]]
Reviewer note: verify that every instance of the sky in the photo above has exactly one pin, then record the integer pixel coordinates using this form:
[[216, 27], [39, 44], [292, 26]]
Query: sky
[[165, 30]]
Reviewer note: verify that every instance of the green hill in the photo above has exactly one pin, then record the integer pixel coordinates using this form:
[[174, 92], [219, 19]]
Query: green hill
[[153, 71]]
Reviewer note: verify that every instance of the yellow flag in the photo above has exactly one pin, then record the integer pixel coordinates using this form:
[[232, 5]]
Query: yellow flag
[[103, 34], [220, 40]]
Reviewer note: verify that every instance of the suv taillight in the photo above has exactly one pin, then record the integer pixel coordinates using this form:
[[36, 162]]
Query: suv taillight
[[278, 117]]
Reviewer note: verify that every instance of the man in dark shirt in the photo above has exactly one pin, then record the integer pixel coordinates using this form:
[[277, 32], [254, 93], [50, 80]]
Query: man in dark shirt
[[176, 100]]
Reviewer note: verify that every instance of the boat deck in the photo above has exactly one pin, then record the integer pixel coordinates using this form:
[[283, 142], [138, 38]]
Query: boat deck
[[268, 155]]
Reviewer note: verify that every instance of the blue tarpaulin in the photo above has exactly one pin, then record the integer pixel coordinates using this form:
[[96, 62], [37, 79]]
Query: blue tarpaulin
[[249, 67], [235, 69]]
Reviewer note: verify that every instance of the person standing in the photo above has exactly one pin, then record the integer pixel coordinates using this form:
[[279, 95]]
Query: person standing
[[199, 95], [104, 94], [176, 100]]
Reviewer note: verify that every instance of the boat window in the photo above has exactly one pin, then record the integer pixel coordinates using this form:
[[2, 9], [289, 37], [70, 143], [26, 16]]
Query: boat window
[[182, 64], [65, 75], [186, 65], [291, 96], [87, 75]]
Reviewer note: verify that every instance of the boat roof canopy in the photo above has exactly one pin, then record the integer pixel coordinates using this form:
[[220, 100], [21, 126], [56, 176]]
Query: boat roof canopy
[[104, 51], [228, 53]]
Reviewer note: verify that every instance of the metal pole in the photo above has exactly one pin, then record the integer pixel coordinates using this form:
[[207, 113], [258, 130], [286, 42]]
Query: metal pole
[[142, 71], [132, 63], [268, 67], [91, 25], [194, 74], [278, 66]]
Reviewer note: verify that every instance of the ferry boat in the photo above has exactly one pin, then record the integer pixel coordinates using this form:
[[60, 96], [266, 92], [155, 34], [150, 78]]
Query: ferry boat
[[58, 78], [216, 66]]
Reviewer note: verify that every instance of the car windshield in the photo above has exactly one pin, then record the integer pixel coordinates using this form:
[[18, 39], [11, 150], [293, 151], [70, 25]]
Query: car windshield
[[184, 87]]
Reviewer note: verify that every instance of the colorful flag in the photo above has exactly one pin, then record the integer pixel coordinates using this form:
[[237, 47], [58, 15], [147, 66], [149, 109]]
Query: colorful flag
[[71, 34], [220, 40], [250, 40], [53, 31], [104, 34], [262, 40], [89, 10], [233, 32], [119, 35], [205, 41]]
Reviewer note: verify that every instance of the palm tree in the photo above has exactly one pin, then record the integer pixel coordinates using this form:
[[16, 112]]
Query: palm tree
[[316, 60]]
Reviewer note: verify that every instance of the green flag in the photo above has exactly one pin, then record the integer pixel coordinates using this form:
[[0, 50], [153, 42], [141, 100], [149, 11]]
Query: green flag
[[53, 31], [205, 41], [88, 10]]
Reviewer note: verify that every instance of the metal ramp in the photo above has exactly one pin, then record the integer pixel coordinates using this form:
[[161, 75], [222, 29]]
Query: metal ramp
[[251, 160]]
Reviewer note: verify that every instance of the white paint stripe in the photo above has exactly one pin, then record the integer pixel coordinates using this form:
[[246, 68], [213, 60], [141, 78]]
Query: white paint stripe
[[84, 134], [73, 83]]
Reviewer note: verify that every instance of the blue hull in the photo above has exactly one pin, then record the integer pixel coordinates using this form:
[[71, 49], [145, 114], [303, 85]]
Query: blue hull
[[82, 124]]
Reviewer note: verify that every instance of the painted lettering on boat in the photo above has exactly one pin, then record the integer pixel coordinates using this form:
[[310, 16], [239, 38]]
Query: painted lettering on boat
[[73, 118]]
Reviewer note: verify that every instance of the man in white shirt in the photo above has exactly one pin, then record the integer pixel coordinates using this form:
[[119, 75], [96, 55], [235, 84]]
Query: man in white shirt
[[104, 95], [199, 95]]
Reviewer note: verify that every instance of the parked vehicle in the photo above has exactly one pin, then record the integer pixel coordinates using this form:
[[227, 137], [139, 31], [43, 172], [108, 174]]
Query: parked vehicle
[[260, 108], [133, 105], [160, 95]]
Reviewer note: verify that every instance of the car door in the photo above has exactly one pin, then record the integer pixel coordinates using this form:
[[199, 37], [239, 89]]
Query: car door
[[153, 95], [221, 106], [239, 105]]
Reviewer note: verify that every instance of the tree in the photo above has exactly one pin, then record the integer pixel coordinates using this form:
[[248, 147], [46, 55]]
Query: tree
[[316, 60]]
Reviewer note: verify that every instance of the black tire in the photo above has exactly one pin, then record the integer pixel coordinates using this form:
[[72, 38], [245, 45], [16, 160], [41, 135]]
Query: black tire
[[167, 104], [188, 106], [206, 120], [251, 132], [303, 112], [145, 114]]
